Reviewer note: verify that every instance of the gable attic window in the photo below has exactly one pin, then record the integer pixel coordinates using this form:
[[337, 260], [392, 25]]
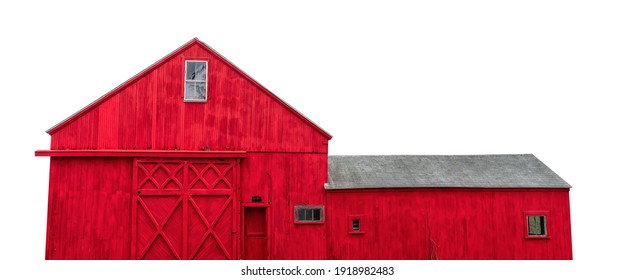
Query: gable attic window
[[195, 81]]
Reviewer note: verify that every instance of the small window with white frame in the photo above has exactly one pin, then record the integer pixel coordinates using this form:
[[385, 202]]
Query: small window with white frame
[[195, 81], [309, 214]]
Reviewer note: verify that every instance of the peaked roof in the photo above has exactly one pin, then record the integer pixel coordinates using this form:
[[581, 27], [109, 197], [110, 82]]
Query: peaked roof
[[465, 171], [160, 62]]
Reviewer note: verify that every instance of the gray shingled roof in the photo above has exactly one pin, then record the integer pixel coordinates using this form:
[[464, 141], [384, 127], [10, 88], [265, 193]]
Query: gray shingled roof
[[471, 171]]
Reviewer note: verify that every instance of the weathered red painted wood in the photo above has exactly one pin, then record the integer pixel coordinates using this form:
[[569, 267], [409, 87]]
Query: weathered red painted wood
[[149, 113], [87, 220], [447, 224], [184, 209], [255, 233], [284, 180], [141, 174], [146, 117]]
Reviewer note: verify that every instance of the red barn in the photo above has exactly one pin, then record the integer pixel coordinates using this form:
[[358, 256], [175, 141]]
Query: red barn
[[193, 159]]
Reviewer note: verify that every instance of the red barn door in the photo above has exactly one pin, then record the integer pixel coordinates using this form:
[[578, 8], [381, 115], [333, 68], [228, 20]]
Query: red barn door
[[255, 233], [184, 209]]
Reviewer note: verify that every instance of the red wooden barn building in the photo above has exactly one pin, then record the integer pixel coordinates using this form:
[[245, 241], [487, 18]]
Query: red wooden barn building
[[193, 159]]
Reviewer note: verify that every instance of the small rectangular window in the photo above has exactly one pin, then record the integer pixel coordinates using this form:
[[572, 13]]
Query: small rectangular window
[[535, 223], [317, 214], [357, 224], [309, 213], [195, 81]]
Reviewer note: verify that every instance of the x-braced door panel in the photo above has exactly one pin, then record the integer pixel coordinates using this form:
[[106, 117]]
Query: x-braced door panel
[[184, 209]]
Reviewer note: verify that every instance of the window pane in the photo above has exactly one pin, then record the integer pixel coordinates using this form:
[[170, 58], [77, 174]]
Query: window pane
[[316, 214], [196, 71], [355, 225], [532, 225], [309, 213], [536, 225], [195, 91]]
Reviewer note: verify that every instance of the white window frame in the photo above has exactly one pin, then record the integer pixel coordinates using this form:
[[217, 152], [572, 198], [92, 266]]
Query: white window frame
[[197, 81]]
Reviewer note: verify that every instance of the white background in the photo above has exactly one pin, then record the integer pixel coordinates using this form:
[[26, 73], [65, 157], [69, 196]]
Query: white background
[[552, 78]]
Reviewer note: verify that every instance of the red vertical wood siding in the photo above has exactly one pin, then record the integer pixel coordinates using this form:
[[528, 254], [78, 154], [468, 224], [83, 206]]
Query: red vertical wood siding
[[447, 224], [151, 114], [286, 162], [89, 208], [90, 198], [185, 209], [284, 180]]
